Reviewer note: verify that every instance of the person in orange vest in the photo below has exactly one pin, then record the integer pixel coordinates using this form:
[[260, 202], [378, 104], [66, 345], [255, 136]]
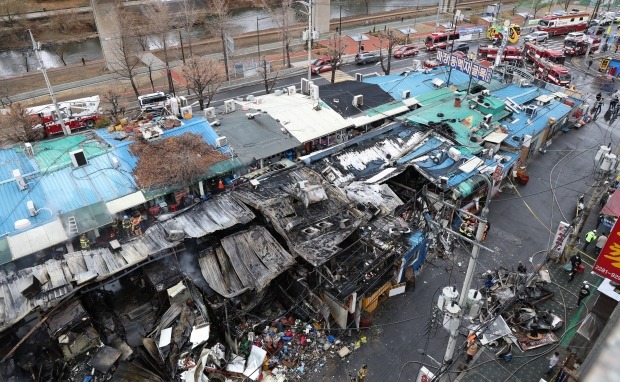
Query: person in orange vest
[[135, 224], [220, 186]]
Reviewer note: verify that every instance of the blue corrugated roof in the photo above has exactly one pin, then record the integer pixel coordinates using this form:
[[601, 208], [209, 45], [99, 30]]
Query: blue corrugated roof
[[520, 126], [96, 182], [11, 160], [428, 146], [520, 95], [416, 82], [196, 125], [13, 204]]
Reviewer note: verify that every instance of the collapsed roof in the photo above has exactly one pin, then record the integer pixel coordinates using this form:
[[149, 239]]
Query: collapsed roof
[[313, 216]]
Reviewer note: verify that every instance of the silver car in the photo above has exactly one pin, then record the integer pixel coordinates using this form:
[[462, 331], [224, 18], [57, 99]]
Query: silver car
[[538, 36]]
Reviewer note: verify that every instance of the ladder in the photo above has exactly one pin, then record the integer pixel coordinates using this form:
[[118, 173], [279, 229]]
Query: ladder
[[73, 228]]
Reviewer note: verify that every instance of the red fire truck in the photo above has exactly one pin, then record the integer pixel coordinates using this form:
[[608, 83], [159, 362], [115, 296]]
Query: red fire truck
[[77, 114], [535, 53], [510, 53], [579, 47], [563, 24], [553, 73], [441, 40]]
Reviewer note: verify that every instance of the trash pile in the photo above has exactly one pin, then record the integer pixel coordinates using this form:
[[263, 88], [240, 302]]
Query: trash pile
[[510, 305]]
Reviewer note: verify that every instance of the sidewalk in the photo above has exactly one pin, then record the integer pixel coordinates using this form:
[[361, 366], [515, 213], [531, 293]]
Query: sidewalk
[[531, 365]]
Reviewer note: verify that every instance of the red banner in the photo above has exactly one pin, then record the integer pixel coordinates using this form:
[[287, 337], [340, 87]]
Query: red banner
[[608, 262]]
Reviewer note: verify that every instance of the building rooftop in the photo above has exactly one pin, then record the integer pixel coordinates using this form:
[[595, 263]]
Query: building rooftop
[[299, 115], [339, 97], [256, 138]]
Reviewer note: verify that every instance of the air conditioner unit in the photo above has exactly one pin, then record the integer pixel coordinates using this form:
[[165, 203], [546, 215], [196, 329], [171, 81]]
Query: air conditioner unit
[[19, 180], [314, 92], [115, 162], [523, 83], [229, 106], [359, 77], [531, 110], [31, 210], [175, 235], [291, 90], [186, 112], [437, 82], [221, 142], [406, 94], [210, 113], [486, 92], [28, 149], [78, 158], [358, 100], [260, 100], [305, 89], [487, 118]]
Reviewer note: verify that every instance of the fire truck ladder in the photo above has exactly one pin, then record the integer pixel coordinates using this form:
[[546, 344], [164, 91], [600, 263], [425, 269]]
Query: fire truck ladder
[[73, 228], [515, 70]]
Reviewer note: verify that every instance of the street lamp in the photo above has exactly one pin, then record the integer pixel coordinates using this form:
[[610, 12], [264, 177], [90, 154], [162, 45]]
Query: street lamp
[[308, 5]]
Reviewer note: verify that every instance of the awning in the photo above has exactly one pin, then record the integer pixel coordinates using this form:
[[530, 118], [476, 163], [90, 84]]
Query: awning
[[36, 239], [612, 207], [126, 202], [87, 218]]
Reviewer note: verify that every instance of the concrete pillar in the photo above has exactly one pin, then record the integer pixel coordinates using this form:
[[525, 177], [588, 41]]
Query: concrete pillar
[[321, 15]]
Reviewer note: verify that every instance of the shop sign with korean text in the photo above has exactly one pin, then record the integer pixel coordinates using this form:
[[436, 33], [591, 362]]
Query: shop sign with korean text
[[608, 262], [561, 236], [465, 65]]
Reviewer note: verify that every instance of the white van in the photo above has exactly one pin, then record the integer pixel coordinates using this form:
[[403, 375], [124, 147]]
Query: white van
[[153, 101]]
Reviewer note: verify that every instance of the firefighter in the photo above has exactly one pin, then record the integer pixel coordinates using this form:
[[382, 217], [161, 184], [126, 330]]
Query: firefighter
[[135, 224], [84, 243], [127, 225]]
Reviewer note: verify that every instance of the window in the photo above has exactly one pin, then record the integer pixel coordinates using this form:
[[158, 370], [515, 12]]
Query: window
[[581, 19], [572, 20]]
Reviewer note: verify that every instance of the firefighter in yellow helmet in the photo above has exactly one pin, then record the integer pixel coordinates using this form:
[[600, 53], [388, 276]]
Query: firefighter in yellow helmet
[[84, 243]]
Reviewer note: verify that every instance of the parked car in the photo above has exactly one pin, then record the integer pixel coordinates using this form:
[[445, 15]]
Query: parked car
[[575, 36], [323, 64], [597, 29], [600, 22], [406, 51], [461, 47], [366, 58], [538, 36]]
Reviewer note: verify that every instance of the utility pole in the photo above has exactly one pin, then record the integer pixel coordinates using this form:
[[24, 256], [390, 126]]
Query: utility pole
[[455, 19], [482, 225], [606, 163], [37, 51]]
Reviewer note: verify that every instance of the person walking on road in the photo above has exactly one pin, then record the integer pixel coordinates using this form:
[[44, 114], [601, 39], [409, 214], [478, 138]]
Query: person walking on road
[[362, 373], [600, 243], [590, 61], [583, 293], [575, 262], [552, 362], [590, 237]]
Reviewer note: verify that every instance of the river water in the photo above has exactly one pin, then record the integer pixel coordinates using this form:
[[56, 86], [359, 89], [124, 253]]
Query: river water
[[244, 20]]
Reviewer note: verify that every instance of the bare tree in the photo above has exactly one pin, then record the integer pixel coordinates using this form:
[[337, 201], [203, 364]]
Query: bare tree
[[269, 81], [281, 14], [60, 50], [204, 76], [19, 126], [335, 50], [189, 19], [537, 5], [127, 62], [11, 9], [114, 106], [160, 23], [392, 40], [220, 22]]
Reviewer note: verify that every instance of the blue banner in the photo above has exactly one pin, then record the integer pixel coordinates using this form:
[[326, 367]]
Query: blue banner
[[466, 66], [471, 30]]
